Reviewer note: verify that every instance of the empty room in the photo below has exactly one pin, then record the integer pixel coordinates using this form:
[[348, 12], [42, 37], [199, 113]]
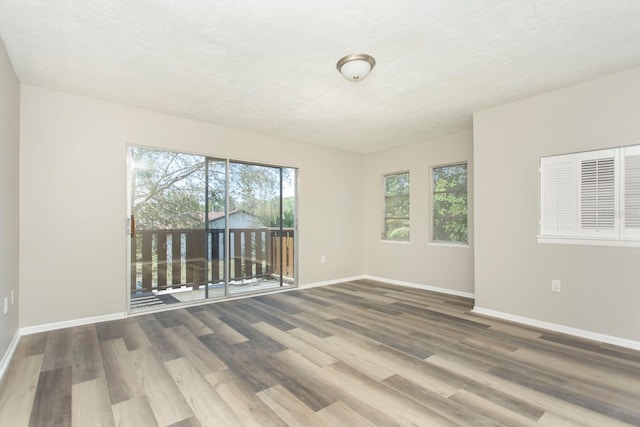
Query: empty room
[[319, 213]]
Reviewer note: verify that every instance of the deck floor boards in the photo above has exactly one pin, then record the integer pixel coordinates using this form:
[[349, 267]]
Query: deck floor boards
[[360, 353]]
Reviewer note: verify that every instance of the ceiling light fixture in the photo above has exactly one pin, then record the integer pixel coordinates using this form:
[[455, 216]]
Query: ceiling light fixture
[[356, 67]]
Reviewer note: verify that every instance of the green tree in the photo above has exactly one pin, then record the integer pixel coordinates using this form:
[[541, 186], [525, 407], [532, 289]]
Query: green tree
[[256, 189], [167, 189], [450, 203], [268, 213], [396, 212]]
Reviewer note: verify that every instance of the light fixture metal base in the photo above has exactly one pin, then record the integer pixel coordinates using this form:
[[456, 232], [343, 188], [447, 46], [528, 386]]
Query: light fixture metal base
[[354, 75]]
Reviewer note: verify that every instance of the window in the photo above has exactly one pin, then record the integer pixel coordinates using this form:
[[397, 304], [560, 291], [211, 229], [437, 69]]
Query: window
[[396, 207], [449, 204], [591, 197]]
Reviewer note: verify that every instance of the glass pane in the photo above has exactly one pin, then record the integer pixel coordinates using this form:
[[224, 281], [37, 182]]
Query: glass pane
[[287, 262], [207, 227], [169, 243], [450, 178], [261, 221], [452, 229], [397, 184], [216, 187], [397, 207], [450, 203], [397, 229]]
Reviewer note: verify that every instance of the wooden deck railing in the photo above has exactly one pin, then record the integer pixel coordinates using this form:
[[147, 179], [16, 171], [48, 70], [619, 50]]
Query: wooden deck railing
[[165, 259]]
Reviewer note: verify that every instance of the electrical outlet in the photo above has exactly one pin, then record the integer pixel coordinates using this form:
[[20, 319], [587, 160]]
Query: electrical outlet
[[555, 285], [323, 259], [6, 305]]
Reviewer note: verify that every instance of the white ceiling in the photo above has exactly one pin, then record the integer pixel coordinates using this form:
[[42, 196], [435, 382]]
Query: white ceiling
[[269, 66]]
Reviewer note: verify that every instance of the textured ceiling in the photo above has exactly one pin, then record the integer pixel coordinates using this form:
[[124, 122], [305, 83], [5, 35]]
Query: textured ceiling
[[269, 66]]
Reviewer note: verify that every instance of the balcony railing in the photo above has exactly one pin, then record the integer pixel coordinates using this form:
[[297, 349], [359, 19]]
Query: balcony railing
[[169, 259]]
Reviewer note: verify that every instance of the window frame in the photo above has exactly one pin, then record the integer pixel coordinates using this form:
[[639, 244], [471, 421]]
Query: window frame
[[626, 153], [383, 234], [573, 231], [432, 185]]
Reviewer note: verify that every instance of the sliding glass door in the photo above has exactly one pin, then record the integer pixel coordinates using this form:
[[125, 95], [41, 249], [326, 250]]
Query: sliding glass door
[[207, 228], [216, 226], [167, 253], [261, 223]]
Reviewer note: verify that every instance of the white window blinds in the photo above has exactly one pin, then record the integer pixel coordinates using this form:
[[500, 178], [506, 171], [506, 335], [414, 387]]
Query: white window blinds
[[591, 195], [558, 192], [597, 203], [631, 192]]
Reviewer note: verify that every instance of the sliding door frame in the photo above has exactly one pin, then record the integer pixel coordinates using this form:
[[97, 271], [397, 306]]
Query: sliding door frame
[[130, 182]]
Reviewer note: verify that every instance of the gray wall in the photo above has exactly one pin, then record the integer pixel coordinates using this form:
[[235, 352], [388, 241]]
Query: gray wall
[[418, 262], [9, 197], [72, 156], [73, 153], [513, 273]]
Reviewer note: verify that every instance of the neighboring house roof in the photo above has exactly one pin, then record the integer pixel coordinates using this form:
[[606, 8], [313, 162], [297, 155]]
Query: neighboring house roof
[[237, 219], [217, 215]]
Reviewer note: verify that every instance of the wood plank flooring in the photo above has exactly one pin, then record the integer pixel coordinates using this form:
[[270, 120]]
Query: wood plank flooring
[[355, 354]]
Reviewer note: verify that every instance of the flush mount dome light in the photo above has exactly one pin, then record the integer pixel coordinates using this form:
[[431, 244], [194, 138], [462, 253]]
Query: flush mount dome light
[[356, 67]]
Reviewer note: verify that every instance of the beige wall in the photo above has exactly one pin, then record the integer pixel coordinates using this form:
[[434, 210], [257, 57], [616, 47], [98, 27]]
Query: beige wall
[[73, 242], [9, 197], [513, 273], [417, 262], [72, 204]]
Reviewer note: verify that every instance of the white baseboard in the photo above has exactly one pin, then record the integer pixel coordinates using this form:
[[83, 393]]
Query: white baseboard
[[85, 321], [424, 287], [8, 355], [70, 323], [331, 282], [555, 327], [115, 316]]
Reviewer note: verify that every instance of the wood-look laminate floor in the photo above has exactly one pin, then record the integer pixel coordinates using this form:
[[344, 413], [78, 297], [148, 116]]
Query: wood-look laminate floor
[[355, 354]]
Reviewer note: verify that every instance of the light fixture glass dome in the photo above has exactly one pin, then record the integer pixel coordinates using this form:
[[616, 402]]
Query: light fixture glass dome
[[356, 67]]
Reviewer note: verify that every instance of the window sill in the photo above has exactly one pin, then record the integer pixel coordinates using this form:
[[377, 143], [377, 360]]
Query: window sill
[[449, 244], [400, 242], [588, 241]]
